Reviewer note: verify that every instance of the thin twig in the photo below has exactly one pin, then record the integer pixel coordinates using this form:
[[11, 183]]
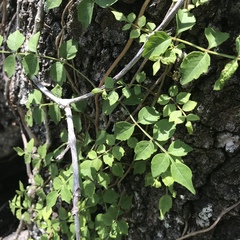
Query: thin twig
[[225, 211], [76, 180]]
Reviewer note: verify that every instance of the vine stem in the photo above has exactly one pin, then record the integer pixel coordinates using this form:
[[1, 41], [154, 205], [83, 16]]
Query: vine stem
[[225, 211], [204, 49]]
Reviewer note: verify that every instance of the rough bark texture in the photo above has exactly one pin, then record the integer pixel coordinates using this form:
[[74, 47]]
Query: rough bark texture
[[215, 158]]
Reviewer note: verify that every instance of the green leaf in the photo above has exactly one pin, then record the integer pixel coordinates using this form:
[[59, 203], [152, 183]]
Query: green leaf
[[55, 113], [57, 183], [131, 17], [110, 196], [189, 106], [66, 194], [168, 109], [192, 117], [164, 99], [148, 115], [183, 97], [51, 199], [182, 174], [119, 16], [156, 45], [30, 145], [103, 179], [33, 42], [156, 66], [193, 65], [117, 169], [1, 39], [105, 3], [68, 49], [185, 20], [109, 83], [144, 149], [118, 152], [165, 204], [85, 12], [189, 127], [126, 26], [89, 188], [229, 69], [141, 21], [86, 169], [135, 33], [237, 45], [215, 37], [112, 97], [15, 40], [179, 148], [173, 90], [176, 117], [96, 91], [163, 130], [57, 91], [53, 4], [9, 65], [38, 115], [159, 164], [30, 64], [139, 167], [123, 130], [141, 77], [20, 151], [108, 159], [58, 72]]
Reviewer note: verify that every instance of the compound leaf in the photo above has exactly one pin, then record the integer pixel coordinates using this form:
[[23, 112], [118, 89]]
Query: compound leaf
[[193, 65]]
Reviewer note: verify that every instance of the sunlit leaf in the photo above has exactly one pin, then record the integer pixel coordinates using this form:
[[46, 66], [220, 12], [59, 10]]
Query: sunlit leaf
[[229, 69], [193, 65], [182, 174], [179, 148], [159, 164], [15, 40], [185, 20], [144, 149], [215, 37], [156, 45], [123, 130]]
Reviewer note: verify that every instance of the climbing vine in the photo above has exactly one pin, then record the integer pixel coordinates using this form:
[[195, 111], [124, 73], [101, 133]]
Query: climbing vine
[[84, 197]]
